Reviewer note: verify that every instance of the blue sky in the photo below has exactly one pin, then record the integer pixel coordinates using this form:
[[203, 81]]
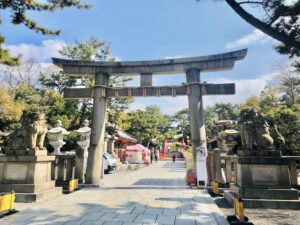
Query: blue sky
[[157, 29]]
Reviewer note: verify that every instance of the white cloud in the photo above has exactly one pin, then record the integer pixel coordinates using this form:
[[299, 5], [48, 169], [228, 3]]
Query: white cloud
[[255, 37], [244, 89], [174, 57], [39, 53], [168, 105], [290, 2]]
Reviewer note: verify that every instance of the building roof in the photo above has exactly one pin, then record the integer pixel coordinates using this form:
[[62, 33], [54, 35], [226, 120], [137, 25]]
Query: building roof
[[124, 135]]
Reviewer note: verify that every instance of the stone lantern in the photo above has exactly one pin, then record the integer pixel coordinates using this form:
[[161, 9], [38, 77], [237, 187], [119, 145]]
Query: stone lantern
[[227, 135], [230, 139], [81, 158], [56, 136], [84, 134]]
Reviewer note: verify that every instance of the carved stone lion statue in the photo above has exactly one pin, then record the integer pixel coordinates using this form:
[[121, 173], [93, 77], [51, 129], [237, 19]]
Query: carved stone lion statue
[[255, 132], [32, 133]]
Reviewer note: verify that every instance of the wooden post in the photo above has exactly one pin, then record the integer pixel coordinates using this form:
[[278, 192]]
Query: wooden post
[[198, 135], [94, 163]]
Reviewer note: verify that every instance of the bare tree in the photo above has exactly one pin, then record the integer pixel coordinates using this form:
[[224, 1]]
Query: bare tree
[[289, 80], [28, 73]]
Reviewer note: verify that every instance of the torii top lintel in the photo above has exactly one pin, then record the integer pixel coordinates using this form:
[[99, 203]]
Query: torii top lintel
[[209, 63]]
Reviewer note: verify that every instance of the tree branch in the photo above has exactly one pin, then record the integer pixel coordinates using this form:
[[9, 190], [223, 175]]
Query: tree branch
[[280, 36]]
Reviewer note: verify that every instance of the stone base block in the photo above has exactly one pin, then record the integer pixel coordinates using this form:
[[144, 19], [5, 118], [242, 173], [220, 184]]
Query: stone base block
[[28, 174], [260, 193], [265, 203], [259, 153], [39, 196], [27, 188], [261, 172]]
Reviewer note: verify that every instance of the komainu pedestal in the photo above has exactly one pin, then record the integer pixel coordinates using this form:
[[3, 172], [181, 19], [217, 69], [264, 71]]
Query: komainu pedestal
[[263, 175], [28, 174], [263, 180]]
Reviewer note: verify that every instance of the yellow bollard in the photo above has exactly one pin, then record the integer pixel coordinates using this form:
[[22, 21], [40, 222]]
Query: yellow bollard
[[73, 185], [239, 208], [7, 202], [215, 187]]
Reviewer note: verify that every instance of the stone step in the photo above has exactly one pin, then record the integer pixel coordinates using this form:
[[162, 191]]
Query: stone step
[[27, 188], [39, 196], [260, 193], [265, 203]]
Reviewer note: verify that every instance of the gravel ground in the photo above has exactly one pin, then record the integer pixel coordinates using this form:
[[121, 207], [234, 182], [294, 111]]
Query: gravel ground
[[264, 216]]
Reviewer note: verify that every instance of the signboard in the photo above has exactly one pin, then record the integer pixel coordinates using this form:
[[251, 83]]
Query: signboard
[[201, 166]]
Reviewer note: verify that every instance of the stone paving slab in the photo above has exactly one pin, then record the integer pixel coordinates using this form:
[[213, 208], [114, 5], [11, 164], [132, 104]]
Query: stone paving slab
[[154, 195], [146, 219], [165, 220], [171, 212]]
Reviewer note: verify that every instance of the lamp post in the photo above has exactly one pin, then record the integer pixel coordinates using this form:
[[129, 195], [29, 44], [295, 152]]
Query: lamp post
[[84, 134], [56, 136]]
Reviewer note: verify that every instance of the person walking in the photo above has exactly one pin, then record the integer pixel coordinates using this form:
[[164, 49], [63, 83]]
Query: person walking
[[156, 154], [151, 157], [173, 157], [151, 154]]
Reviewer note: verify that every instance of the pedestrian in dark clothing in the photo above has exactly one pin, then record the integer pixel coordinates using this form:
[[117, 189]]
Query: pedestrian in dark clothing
[[173, 157], [151, 157]]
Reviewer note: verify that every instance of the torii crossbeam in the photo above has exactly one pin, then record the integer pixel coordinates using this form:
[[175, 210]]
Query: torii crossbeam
[[193, 88]]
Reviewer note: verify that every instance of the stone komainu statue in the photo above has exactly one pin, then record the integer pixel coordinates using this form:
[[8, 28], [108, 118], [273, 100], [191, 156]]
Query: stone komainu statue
[[255, 132], [32, 133]]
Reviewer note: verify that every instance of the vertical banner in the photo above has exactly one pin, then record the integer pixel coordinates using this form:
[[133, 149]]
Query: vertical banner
[[201, 166]]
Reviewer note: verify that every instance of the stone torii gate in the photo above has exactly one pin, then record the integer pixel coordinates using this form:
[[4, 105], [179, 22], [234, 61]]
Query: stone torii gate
[[146, 69]]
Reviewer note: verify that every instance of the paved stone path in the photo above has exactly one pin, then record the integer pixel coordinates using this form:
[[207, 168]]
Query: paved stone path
[[152, 195]]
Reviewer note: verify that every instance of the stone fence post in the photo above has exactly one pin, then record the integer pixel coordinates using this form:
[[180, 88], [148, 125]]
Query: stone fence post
[[217, 165]]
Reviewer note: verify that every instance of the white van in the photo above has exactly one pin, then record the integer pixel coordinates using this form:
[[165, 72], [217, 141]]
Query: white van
[[109, 162]]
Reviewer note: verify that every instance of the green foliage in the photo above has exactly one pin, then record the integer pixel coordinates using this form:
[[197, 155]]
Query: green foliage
[[149, 124], [226, 111], [29, 95], [10, 110], [220, 111], [210, 118], [89, 50], [118, 105], [57, 81], [290, 86], [123, 121], [288, 123], [5, 57], [252, 102], [181, 122], [278, 110]]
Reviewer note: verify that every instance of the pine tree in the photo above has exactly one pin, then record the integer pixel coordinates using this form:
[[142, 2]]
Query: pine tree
[[18, 9]]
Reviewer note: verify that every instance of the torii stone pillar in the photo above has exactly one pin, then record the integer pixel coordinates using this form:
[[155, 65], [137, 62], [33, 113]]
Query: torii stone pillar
[[198, 135], [94, 164], [101, 91]]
